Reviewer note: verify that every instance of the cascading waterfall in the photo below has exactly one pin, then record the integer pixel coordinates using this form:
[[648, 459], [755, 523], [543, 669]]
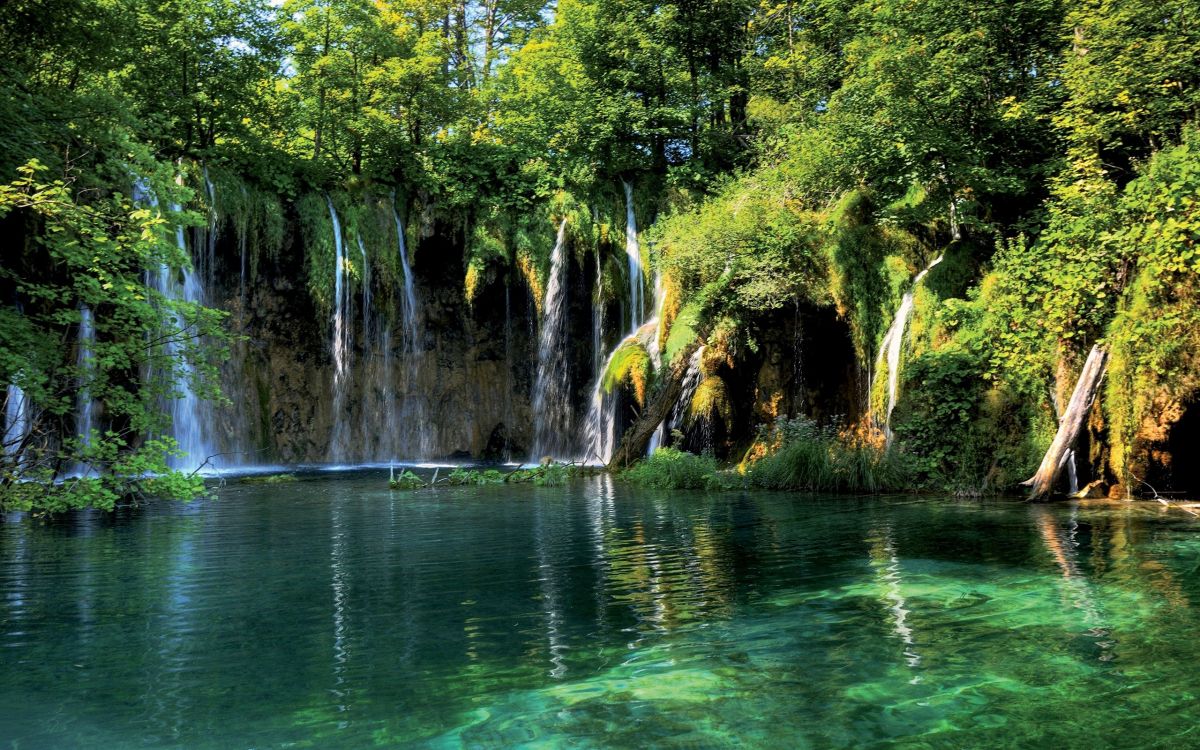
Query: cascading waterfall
[[85, 405], [600, 427], [598, 320], [366, 289], [341, 339], [691, 381], [893, 345], [508, 371], [633, 254], [552, 389], [191, 417], [408, 302], [17, 422], [407, 419], [655, 351], [205, 260], [369, 405]]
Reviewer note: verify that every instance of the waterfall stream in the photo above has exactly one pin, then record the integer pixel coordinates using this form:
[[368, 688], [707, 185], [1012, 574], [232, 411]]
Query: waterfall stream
[[633, 254], [191, 417], [655, 351], [17, 423], [410, 433], [85, 405], [600, 426], [892, 347], [341, 339], [552, 388], [691, 382]]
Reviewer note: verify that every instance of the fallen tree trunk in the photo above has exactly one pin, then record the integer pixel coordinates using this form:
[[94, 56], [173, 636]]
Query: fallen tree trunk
[[634, 440], [1041, 484]]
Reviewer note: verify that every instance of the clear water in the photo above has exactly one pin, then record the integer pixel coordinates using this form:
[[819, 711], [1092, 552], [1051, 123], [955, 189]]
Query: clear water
[[331, 613]]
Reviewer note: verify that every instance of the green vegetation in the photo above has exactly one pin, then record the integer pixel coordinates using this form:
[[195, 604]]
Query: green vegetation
[[792, 454], [270, 479], [547, 475], [669, 468], [92, 256], [814, 459], [406, 480]]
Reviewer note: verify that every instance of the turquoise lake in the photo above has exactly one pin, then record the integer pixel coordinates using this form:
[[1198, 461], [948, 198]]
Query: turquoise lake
[[330, 612]]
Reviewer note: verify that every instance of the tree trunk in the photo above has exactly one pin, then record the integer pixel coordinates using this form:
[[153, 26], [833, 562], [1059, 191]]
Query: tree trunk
[[1041, 484], [634, 440]]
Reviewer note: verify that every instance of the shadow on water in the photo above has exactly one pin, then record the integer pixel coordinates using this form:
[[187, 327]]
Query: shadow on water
[[334, 612]]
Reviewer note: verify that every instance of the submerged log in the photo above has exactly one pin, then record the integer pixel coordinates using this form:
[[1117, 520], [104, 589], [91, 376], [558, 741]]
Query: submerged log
[[637, 437], [1041, 484]]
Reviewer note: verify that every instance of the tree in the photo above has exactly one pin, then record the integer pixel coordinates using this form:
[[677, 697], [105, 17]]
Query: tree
[[92, 256]]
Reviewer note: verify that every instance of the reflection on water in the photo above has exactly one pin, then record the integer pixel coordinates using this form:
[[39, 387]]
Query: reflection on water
[[886, 563], [332, 613]]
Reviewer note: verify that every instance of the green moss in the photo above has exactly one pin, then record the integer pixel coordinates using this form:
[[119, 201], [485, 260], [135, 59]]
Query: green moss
[[270, 479], [871, 267], [316, 228], [630, 365], [711, 402], [255, 215], [684, 329]]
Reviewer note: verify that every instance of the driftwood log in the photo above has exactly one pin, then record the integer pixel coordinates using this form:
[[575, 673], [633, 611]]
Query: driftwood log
[[1041, 484], [658, 407]]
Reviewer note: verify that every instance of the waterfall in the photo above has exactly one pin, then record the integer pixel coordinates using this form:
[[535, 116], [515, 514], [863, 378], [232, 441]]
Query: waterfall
[[893, 344], [17, 422], [366, 289], [655, 351], [598, 320], [191, 417], [633, 254], [410, 421], [341, 338], [691, 381], [552, 388], [408, 301], [601, 423], [509, 418], [206, 262], [85, 406], [600, 427]]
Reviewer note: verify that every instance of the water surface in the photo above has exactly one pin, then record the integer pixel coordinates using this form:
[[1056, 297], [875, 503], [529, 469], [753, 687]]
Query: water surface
[[332, 613]]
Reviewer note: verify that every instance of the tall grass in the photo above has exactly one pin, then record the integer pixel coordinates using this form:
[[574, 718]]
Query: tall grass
[[796, 454], [827, 459], [673, 469]]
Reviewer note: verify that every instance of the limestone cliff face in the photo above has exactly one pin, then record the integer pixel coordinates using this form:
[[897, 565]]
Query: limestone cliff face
[[461, 389]]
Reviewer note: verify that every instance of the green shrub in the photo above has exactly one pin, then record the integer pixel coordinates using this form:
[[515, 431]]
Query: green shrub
[[406, 480], [670, 468], [461, 476], [825, 459], [551, 475]]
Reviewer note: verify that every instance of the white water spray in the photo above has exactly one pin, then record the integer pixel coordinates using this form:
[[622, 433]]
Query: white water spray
[[552, 388], [341, 338], [85, 405], [893, 345], [633, 254]]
